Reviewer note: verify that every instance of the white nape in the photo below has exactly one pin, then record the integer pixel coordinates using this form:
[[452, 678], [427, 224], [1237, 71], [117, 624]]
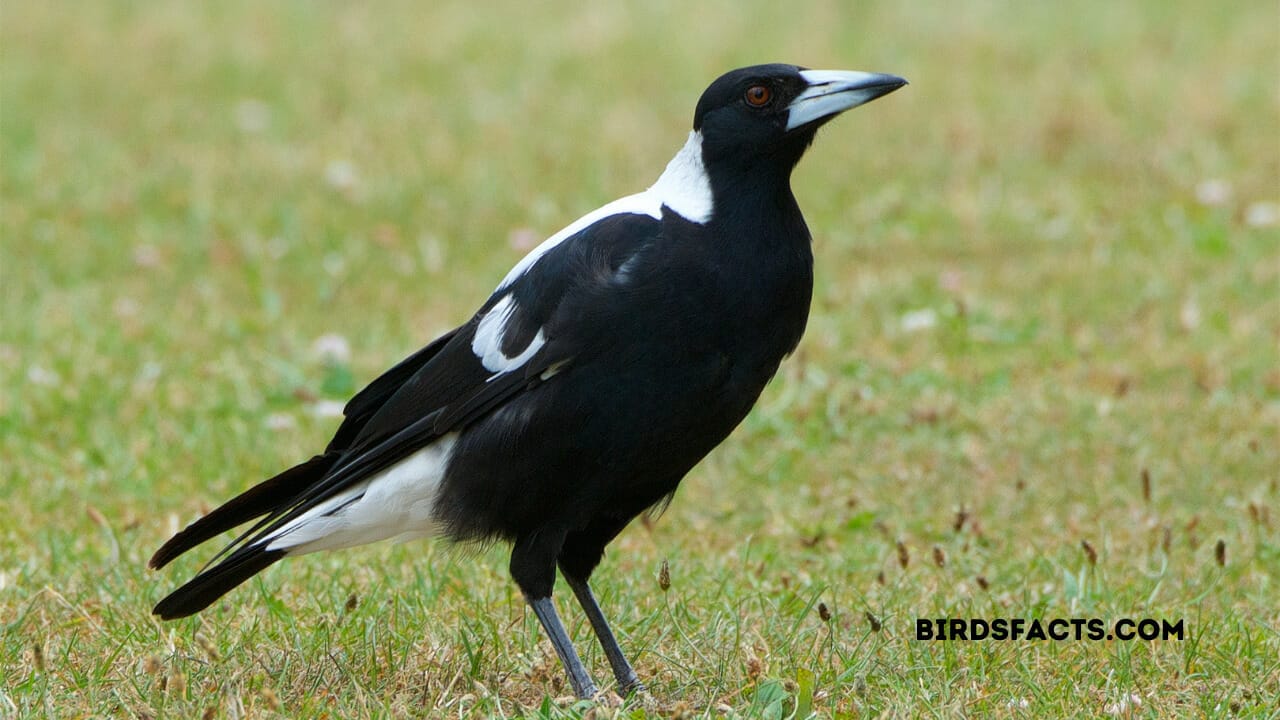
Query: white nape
[[396, 503], [683, 188], [487, 343]]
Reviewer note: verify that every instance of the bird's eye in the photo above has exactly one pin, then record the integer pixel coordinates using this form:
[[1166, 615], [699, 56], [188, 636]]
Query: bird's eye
[[758, 95]]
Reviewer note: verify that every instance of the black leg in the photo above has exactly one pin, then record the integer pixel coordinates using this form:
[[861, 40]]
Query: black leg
[[578, 559], [583, 687], [533, 566], [628, 682]]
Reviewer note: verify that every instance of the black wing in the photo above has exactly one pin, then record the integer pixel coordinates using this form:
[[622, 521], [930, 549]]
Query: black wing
[[365, 403], [442, 388]]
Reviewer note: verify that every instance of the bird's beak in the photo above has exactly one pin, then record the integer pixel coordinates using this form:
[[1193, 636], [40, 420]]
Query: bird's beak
[[831, 92]]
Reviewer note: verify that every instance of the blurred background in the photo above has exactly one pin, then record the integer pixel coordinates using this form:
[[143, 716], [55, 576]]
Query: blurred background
[[1047, 318]]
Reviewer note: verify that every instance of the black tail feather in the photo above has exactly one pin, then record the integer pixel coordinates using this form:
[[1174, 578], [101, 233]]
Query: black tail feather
[[257, 501], [215, 582]]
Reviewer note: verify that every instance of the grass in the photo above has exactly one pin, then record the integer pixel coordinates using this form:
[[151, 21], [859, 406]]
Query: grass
[[1047, 270]]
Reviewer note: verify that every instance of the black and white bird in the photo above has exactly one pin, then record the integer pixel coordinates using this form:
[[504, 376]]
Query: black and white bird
[[605, 365]]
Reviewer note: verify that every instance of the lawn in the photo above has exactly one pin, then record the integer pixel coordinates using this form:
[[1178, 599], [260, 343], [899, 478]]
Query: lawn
[[1041, 377]]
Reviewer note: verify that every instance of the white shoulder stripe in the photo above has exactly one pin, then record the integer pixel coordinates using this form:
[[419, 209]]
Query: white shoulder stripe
[[683, 188], [487, 343], [637, 204]]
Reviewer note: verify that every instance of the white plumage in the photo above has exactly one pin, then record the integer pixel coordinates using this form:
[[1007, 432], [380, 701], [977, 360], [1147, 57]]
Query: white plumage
[[683, 187], [396, 503], [487, 344]]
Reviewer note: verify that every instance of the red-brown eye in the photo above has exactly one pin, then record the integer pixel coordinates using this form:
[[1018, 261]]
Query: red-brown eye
[[758, 95]]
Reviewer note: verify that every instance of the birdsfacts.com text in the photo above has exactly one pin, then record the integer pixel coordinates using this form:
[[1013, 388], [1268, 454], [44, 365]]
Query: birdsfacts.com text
[[1124, 629]]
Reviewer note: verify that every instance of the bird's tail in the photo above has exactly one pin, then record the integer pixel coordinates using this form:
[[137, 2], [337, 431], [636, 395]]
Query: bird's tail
[[214, 582]]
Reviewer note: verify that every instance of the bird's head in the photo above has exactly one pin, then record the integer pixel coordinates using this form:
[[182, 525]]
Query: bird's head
[[770, 113]]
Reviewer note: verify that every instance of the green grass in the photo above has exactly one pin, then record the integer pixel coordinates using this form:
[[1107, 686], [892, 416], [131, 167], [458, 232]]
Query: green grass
[[177, 232]]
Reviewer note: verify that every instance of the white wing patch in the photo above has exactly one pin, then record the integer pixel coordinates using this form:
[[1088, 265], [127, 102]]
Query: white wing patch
[[487, 343], [683, 187], [396, 503]]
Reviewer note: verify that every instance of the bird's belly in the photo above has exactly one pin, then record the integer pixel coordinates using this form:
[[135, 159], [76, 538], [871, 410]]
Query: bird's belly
[[609, 442]]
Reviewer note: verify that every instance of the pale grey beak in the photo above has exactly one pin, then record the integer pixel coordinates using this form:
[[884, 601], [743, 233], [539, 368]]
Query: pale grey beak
[[831, 92]]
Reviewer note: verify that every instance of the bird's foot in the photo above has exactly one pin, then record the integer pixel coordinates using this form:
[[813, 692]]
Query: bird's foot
[[636, 697], [601, 698], [631, 687]]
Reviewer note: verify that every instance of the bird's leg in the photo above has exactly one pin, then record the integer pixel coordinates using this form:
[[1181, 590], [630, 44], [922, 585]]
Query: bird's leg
[[533, 566], [628, 681], [581, 554], [583, 687]]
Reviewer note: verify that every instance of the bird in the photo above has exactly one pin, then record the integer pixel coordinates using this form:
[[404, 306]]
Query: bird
[[605, 365]]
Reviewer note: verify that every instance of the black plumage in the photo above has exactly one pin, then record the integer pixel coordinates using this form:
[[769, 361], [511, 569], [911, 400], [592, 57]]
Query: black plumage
[[604, 367]]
